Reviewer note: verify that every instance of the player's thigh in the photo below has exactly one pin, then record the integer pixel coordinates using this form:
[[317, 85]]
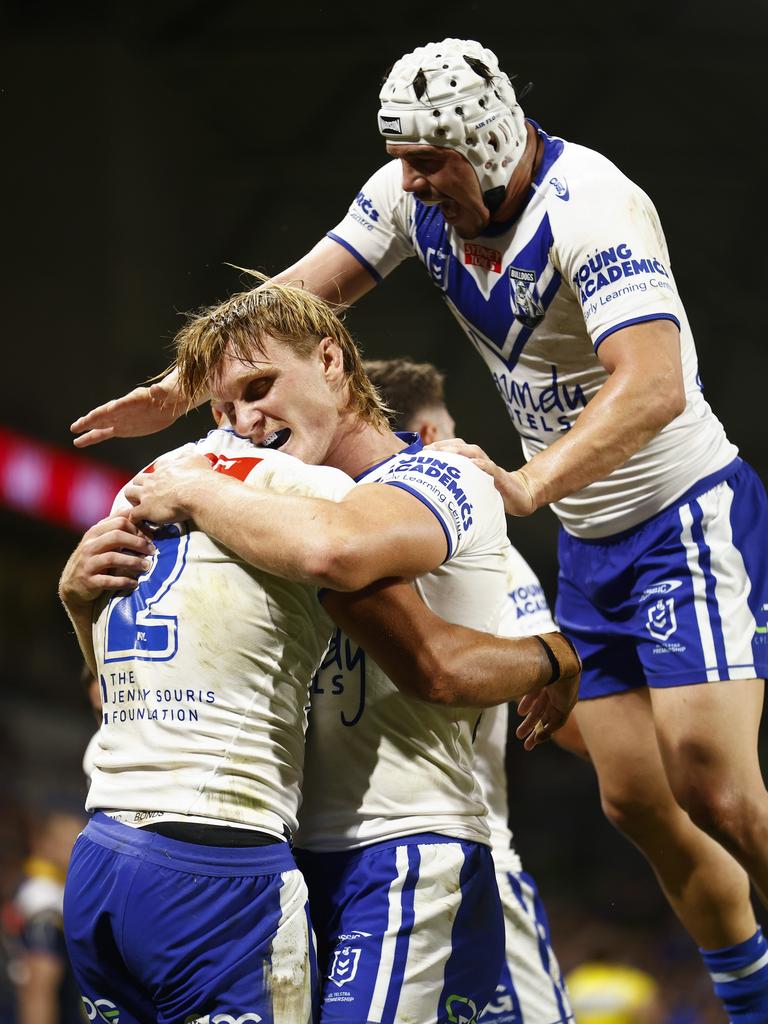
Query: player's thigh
[[707, 735], [420, 935], [531, 987], [620, 735]]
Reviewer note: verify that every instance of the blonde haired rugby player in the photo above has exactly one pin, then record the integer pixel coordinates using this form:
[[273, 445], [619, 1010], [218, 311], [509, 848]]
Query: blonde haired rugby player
[[392, 819]]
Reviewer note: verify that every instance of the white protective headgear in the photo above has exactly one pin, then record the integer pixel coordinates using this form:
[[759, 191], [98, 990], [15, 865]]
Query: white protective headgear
[[435, 97]]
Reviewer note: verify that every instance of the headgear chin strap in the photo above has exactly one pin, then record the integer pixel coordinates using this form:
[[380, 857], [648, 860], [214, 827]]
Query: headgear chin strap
[[439, 95]]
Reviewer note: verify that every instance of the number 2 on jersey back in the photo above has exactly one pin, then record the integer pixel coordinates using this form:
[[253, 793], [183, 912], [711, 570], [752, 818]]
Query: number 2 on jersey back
[[134, 627]]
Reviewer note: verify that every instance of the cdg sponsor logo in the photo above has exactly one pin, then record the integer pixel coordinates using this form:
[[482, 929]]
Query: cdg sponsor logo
[[101, 1009], [225, 1018]]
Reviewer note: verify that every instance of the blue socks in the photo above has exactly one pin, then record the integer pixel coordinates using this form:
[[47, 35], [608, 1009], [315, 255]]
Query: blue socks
[[740, 976]]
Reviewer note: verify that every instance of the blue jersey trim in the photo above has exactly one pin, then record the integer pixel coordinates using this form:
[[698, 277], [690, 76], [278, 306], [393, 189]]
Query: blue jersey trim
[[553, 149], [403, 486], [636, 320], [360, 259], [413, 444]]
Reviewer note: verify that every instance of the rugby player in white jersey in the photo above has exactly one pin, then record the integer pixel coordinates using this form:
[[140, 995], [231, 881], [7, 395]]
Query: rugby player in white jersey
[[183, 900], [555, 265], [392, 814], [531, 987]]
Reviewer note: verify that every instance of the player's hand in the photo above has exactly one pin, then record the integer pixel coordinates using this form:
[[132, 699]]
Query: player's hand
[[164, 493], [547, 709], [514, 487], [145, 410], [111, 556]]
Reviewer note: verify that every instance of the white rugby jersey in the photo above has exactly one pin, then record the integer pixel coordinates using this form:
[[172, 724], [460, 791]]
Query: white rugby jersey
[[525, 612], [537, 296], [380, 764], [205, 669]]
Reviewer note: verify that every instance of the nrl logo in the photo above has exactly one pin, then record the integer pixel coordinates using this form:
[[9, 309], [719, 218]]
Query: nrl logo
[[344, 966], [662, 623]]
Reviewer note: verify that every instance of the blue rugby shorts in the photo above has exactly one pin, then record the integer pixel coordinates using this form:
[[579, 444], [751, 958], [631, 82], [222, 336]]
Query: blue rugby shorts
[[175, 933], [679, 599], [408, 929]]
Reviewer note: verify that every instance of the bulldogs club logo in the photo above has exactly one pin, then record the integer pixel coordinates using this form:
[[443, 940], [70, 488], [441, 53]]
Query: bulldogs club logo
[[524, 297]]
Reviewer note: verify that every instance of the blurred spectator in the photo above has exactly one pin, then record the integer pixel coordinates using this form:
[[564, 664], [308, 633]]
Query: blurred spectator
[[12, 854], [45, 987], [609, 993]]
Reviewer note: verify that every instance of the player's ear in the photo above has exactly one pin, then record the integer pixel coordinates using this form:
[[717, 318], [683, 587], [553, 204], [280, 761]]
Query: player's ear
[[427, 432], [332, 359]]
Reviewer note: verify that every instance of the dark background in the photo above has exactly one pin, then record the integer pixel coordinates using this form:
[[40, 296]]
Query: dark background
[[148, 145]]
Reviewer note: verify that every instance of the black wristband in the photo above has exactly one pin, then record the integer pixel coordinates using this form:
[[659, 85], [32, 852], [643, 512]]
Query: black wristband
[[556, 670]]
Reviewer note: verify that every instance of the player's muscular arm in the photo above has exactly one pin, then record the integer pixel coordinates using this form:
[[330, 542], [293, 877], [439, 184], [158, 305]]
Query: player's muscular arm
[[644, 392], [331, 272], [376, 531], [429, 658], [328, 270]]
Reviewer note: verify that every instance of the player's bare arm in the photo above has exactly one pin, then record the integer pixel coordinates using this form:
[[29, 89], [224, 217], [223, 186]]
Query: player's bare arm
[[331, 272], [643, 393], [110, 557], [377, 530], [443, 663], [328, 270]]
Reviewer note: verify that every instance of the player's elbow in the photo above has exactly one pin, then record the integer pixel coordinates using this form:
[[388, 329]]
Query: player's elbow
[[338, 559], [663, 395], [668, 401]]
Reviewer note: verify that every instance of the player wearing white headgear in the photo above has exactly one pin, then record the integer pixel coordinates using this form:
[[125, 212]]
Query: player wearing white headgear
[[453, 94], [566, 290]]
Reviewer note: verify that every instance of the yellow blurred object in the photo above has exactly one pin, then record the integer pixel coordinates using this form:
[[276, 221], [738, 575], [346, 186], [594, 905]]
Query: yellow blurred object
[[604, 993]]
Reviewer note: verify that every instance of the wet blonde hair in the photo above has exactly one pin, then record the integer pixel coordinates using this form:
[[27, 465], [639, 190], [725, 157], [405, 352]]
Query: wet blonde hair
[[289, 314]]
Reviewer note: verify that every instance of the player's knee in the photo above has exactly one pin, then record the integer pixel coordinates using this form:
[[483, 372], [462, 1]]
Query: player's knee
[[719, 809], [630, 811]]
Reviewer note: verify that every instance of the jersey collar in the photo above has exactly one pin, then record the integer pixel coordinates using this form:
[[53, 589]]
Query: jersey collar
[[413, 444], [552, 150]]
